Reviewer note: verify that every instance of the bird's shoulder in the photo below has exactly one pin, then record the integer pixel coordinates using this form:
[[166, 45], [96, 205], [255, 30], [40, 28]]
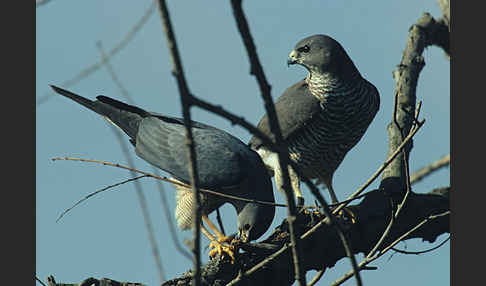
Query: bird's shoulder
[[221, 158], [295, 108]]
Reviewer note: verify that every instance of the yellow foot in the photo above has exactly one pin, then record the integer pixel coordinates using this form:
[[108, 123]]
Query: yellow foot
[[312, 210], [348, 215], [223, 246]]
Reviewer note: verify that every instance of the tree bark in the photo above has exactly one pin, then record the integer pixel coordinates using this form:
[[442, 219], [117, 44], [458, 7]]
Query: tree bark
[[323, 248]]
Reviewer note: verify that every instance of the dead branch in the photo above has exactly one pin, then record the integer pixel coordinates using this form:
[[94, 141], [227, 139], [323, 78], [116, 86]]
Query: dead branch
[[323, 249], [422, 217], [283, 158], [95, 193], [427, 170]]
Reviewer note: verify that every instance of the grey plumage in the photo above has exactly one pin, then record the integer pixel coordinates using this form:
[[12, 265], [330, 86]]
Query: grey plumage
[[225, 164], [322, 116]]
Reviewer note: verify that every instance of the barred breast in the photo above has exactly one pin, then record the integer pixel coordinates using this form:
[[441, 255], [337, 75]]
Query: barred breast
[[347, 111]]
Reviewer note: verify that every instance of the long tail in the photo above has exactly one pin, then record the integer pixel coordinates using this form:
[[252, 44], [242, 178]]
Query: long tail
[[122, 115]]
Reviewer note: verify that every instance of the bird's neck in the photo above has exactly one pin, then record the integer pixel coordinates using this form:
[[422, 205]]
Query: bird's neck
[[326, 84]]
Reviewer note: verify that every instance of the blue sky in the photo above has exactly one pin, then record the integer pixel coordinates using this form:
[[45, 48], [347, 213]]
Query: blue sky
[[106, 236]]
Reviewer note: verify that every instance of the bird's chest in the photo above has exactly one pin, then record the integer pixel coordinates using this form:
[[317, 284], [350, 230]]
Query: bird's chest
[[330, 134]]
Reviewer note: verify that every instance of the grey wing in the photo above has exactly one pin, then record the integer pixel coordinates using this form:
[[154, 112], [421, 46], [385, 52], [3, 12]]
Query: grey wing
[[178, 120], [218, 154], [295, 108]]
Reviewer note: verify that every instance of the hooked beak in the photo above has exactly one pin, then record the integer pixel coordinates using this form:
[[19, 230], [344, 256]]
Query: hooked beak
[[292, 58]]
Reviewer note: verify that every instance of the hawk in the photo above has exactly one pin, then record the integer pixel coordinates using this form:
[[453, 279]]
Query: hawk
[[322, 116], [225, 165]]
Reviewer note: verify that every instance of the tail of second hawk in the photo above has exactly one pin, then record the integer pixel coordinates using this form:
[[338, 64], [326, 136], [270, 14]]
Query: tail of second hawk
[[124, 116]]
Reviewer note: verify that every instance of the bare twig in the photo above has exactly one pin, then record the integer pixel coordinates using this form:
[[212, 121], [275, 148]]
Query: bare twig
[[317, 277], [283, 159], [105, 59], [40, 281], [172, 181], [96, 66], [379, 254], [95, 193], [427, 170], [422, 251], [119, 166]]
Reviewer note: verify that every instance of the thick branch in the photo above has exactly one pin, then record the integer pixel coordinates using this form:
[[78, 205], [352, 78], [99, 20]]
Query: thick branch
[[323, 249], [406, 77]]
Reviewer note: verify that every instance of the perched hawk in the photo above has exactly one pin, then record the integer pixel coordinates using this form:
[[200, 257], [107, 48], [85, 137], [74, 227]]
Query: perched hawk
[[225, 165], [322, 116]]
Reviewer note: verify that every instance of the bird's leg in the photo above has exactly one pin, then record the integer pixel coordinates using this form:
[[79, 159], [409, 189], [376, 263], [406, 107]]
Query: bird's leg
[[328, 184], [217, 242], [294, 182], [334, 199], [213, 227]]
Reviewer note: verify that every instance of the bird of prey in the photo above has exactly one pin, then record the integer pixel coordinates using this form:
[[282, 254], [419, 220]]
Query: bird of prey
[[322, 116], [225, 165]]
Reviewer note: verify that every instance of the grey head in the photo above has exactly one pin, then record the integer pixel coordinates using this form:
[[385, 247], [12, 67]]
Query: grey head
[[253, 218], [322, 54]]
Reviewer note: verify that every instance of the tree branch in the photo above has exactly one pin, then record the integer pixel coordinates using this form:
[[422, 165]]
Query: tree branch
[[283, 158], [323, 249], [427, 170]]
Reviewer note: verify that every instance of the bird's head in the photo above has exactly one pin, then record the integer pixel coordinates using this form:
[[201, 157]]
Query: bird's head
[[254, 220], [321, 54]]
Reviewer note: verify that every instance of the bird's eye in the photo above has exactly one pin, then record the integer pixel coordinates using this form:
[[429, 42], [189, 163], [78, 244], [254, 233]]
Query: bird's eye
[[304, 49], [246, 227]]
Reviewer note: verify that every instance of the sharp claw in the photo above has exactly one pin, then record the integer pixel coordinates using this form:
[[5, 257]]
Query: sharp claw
[[350, 214], [218, 248]]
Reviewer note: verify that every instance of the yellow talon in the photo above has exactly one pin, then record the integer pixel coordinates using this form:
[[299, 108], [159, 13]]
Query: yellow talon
[[218, 248], [312, 210], [350, 214]]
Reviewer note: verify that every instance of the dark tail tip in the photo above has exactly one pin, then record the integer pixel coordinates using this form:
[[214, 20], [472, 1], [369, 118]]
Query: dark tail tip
[[56, 89], [63, 91], [77, 98]]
